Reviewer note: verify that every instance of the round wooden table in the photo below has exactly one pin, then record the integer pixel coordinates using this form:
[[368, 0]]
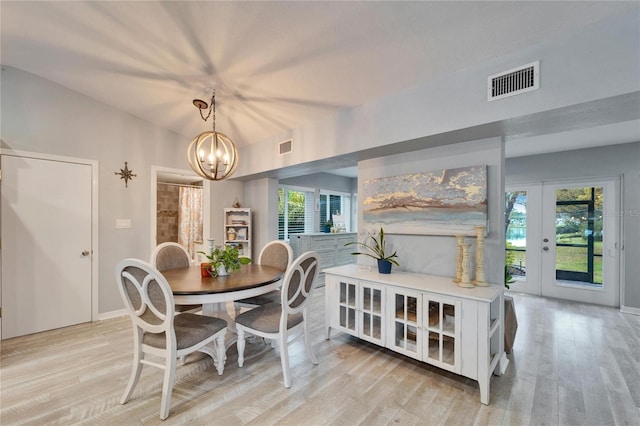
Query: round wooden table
[[189, 288]]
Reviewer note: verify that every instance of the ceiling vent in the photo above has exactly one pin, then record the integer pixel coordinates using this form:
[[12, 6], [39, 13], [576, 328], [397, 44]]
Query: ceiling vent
[[514, 81], [286, 147]]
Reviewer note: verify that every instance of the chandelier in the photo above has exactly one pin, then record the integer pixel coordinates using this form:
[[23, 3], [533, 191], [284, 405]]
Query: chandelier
[[212, 154]]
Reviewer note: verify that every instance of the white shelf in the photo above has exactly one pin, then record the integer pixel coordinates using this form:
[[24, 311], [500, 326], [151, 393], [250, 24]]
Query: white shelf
[[243, 226]]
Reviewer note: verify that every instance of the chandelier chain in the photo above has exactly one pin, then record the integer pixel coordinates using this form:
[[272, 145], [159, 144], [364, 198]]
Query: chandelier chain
[[212, 108]]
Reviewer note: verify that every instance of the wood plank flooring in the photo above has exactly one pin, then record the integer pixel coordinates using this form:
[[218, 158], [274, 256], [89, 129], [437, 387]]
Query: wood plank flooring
[[572, 364]]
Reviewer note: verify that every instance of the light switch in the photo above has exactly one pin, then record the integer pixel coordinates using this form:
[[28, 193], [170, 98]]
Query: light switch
[[123, 223]]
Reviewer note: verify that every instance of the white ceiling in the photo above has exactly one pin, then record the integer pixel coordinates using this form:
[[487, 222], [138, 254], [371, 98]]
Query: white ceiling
[[274, 65]]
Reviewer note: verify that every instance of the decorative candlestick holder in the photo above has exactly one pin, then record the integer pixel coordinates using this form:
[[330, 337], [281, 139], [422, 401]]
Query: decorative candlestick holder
[[465, 280], [480, 279], [460, 240]]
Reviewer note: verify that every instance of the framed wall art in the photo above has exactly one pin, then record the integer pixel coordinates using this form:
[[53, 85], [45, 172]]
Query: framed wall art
[[441, 202]]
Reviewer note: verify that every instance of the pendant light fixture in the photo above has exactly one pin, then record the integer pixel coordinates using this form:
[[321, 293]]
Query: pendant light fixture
[[212, 154]]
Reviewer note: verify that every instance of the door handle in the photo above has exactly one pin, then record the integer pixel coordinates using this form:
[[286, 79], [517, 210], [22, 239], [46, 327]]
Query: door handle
[[85, 253]]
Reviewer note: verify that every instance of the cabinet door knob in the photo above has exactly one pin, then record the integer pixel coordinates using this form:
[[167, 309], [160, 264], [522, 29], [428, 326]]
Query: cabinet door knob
[[85, 253]]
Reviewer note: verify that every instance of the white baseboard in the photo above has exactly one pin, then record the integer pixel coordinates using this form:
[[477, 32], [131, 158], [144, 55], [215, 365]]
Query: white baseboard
[[112, 314], [629, 310]]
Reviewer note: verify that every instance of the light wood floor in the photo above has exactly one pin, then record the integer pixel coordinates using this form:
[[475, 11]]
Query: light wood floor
[[572, 364]]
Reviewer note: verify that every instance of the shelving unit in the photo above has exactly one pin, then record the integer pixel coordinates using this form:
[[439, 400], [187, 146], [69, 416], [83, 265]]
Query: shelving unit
[[424, 317], [237, 229]]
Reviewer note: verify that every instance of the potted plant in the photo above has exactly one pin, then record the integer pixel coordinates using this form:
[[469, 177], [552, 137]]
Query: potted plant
[[376, 249], [224, 260], [327, 226]]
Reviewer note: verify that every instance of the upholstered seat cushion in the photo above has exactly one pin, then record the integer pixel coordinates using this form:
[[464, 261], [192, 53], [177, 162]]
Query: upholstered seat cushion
[[190, 329], [263, 299], [266, 318], [187, 308]]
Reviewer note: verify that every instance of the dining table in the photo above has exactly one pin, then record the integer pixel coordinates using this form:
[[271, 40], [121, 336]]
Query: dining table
[[189, 287]]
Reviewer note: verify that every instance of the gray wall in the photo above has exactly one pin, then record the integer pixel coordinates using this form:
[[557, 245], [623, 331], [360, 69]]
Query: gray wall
[[609, 161], [436, 255], [572, 67], [323, 181], [43, 117]]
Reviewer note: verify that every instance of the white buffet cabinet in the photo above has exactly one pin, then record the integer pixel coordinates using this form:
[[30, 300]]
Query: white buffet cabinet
[[330, 248], [424, 317]]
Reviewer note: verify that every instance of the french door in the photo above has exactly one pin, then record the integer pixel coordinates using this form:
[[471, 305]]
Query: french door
[[562, 240]]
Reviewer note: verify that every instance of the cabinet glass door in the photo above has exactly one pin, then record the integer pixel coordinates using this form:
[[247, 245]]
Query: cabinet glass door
[[442, 343], [372, 314], [347, 305], [404, 313]]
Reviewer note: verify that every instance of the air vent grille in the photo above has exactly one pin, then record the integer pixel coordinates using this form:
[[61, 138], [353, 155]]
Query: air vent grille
[[286, 147], [513, 82]]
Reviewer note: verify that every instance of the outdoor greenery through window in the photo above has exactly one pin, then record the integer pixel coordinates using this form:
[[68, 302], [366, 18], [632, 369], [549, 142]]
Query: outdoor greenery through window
[[297, 210], [579, 234], [516, 233], [578, 222]]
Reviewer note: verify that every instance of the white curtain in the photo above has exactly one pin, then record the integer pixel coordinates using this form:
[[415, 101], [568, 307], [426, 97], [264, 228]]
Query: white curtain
[[190, 218]]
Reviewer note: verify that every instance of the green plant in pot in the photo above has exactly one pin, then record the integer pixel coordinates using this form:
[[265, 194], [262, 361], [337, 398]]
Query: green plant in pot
[[224, 260], [375, 247], [327, 225]]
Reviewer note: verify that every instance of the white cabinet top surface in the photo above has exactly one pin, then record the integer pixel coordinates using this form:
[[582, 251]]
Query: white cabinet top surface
[[421, 282], [324, 234]]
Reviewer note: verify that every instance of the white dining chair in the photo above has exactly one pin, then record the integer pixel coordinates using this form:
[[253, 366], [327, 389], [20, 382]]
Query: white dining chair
[[159, 331], [172, 255], [278, 254], [280, 321]]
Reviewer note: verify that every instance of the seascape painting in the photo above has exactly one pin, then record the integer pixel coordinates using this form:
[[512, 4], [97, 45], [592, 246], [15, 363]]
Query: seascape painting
[[443, 202]]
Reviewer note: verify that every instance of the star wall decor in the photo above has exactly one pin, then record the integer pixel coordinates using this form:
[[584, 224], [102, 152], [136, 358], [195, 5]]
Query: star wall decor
[[126, 174]]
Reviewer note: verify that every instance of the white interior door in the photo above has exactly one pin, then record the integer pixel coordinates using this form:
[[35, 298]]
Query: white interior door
[[580, 259], [46, 244]]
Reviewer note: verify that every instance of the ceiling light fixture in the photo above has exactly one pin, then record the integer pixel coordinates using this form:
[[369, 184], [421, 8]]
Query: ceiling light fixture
[[212, 154]]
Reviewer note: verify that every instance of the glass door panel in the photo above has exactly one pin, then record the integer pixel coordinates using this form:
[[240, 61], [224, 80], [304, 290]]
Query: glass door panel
[[516, 233], [576, 234], [522, 238], [404, 315], [347, 305], [442, 342], [579, 256], [371, 313]]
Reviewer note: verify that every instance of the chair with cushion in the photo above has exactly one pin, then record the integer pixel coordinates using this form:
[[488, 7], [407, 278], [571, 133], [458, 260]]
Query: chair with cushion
[[159, 331], [279, 321], [278, 254], [171, 256]]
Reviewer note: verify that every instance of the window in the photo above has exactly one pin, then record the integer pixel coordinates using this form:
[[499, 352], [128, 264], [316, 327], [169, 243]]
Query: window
[[335, 204], [297, 210], [579, 225], [516, 233]]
